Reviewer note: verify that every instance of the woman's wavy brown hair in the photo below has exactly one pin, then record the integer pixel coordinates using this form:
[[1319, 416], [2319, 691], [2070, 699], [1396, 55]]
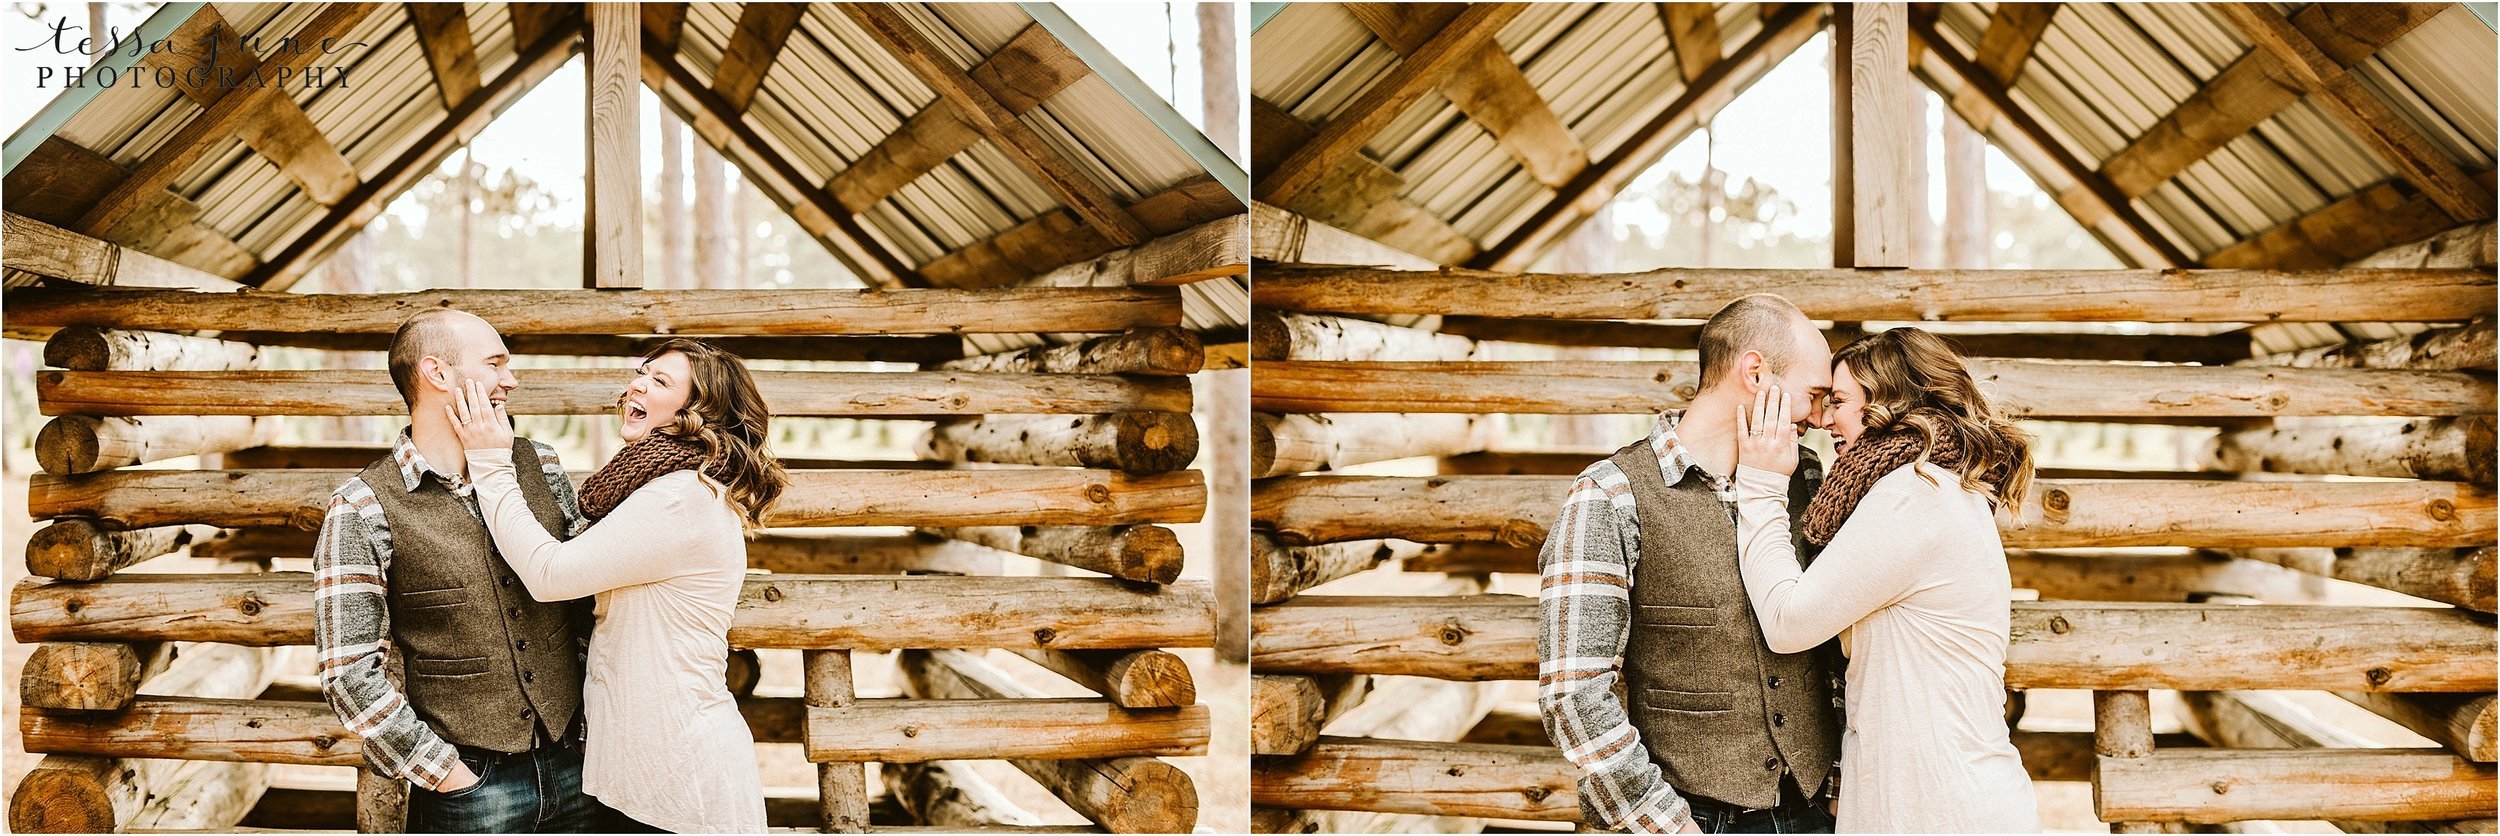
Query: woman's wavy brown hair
[[726, 412], [1916, 380]]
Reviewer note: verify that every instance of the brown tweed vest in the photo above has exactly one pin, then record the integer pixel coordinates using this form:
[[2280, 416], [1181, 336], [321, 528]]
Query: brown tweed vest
[[1724, 717], [486, 665]]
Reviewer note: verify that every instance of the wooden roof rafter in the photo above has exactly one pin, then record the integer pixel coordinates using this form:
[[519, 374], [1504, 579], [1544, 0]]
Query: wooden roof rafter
[[752, 48], [2013, 31], [276, 128], [1030, 68], [2372, 219], [1021, 144], [1782, 33], [1353, 127], [558, 38], [443, 32], [1486, 85], [1693, 30]]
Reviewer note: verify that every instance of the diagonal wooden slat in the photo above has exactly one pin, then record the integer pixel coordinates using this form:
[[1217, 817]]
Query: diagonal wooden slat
[[532, 21], [443, 30], [2364, 113], [1022, 74], [812, 208], [762, 28], [1360, 120], [663, 24], [1486, 86], [1986, 102], [1693, 28], [62, 180], [1066, 183], [2372, 219], [1576, 201], [2254, 88], [1360, 196], [536, 62], [2012, 32], [275, 127], [1058, 238]]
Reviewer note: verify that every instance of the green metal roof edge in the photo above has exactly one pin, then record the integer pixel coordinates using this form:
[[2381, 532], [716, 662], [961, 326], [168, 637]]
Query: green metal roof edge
[[22, 144], [2482, 11], [1155, 109], [1261, 13]]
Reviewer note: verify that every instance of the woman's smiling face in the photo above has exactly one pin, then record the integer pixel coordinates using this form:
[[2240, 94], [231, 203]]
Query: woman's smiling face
[[654, 398]]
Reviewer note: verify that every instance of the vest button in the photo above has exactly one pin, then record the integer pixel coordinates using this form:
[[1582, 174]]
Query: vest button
[[507, 581], [1776, 719], [526, 714], [523, 644], [527, 677], [1775, 682], [1772, 764], [515, 612]]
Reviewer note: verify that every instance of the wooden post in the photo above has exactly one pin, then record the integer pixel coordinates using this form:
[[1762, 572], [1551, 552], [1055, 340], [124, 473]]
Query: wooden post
[[1871, 94], [2122, 727], [842, 788], [612, 254]]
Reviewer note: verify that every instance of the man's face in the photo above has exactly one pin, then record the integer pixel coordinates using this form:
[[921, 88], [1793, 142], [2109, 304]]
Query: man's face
[[1808, 378], [482, 357]]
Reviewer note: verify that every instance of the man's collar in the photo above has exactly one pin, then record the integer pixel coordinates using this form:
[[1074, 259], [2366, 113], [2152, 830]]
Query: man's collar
[[1674, 459], [412, 464]]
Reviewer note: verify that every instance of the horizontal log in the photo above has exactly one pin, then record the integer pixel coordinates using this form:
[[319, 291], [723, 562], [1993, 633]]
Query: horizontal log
[[1471, 559], [1513, 511], [1128, 678], [2067, 755], [1286, 444], [206, 795], [88, 349], [53, 252], [81, 550], [922, 350], [2459, 449], [1214, 249], [595, 392], [2034, 389], [776, 611], [2364, 295], [200, 729], [919, 731], [2438, 349], [1148, 553], [838, 552], [2212, 350], [1279, 571], [2094, 575], [2104, 646], [1532, 783], [723, 312], [236, 498], [1161, 351], [2461, 722], [2225, 785], [2463, 577], [1124, 795], [1299, 336], [950, 795], [74, 444], [1136, 442]]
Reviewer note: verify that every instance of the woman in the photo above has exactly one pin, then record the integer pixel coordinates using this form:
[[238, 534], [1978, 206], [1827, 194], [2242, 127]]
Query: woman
[[666, 556], [1911, 577]]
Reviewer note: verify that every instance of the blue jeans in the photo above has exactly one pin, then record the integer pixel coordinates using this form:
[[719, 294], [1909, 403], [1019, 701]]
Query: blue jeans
[[538, 791]]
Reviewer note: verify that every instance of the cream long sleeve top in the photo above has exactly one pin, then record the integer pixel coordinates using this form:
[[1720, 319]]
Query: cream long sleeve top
[[1915, 584], [666, 744]]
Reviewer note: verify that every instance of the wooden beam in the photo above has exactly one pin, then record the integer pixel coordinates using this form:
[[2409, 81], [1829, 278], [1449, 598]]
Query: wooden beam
[[834, 552], [1278, 571], [1162, 351], [85, 348], [1782, 32], [2105, 646], [775, 611], [2458, 449], [1912, 295], [1136, 442], [752, 47], [1530, 783], [1986, 102], [143, 498], [612, 240], [74, 444], [2459, 576], [1059, 238], [1032, 67], [1693, 30], [2444, 349], [1124, 795], [1486, 86], [2211, 350], [1871, 135], [1211, 250], [2343, 98], [52, 252], [537, 59], [1282, 445], [443, 31], [2013, 30], [1513, 510], [813, 209], [1070, 186], [2369, 220], [2462, 722], [222, 120], [1354, 125], [275, 127], [2034, 389], [2363, 784], [81, 550], [919, 731], [919, 350], [1143, 553], [1295, 336], [729, 312], [594, 392], [198, 728], [663, 24], [1128, 678]]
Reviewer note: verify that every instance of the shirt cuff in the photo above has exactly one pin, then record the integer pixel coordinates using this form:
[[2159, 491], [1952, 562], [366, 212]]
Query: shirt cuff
[[495, 458], [1754, 483], [1662, 811]]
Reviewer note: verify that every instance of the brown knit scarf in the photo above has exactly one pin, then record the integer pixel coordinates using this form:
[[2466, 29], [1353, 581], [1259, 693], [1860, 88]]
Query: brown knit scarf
[[656, 455], [1874, 456]]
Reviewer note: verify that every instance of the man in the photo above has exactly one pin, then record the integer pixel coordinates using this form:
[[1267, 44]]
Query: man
[[1721, 734], [488, 729]]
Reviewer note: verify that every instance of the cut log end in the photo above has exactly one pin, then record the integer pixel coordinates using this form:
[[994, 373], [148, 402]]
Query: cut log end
[[81, 676], [69, 444], [1151, 679], [75, 794], [82, 550]]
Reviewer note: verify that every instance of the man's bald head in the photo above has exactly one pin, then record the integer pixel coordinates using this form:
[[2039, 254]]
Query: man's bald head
[[1763, 323], [436, 332]]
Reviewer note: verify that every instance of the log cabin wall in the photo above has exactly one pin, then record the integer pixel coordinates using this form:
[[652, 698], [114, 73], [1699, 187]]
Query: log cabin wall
[[1046, 300], [1412, 162]]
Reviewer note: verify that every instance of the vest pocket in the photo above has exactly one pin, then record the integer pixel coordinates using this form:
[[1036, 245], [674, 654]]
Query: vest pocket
[[1669, 616], [471, 666], [1697, 702], [433, 598]]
